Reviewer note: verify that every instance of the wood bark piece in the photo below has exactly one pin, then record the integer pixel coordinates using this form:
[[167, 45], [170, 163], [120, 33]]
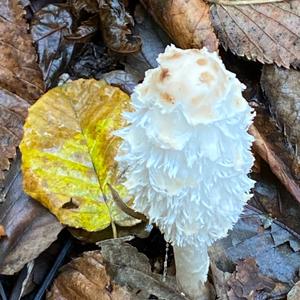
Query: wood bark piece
[[20, 79], [187, 22]]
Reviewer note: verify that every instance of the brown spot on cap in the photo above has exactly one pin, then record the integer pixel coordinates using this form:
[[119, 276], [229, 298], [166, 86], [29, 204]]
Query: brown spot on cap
[[174, 55], [167, 97], [144, 90], [238, 102], [216, 67], [164, 73], [201, 61], [2, 231], [206, 77]]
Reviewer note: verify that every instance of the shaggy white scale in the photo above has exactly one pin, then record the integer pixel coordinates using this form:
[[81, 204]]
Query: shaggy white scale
[[187, 154]]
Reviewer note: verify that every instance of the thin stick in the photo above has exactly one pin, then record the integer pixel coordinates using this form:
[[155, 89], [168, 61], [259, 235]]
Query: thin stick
[[2, 292], [242, 2], [49, 278], [165, 271]]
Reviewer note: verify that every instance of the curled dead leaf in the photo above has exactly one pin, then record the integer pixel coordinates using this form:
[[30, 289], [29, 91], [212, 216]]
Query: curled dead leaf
[[49, 28], [186, 22], [116, 27]]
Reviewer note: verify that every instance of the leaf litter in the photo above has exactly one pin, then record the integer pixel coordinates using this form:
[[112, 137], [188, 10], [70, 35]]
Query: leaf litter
[[20, 80], [117, 271], [271, 218]]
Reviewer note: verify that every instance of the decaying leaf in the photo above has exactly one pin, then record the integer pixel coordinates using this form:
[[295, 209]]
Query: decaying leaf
[[130, 268], [122, 79], [117, 272], [186, 22], [154, 41], [91, 62], [282, 90], [86, 277], [29, 229], [116, 27], [89, 6], [68, 157], [49, 27], [269, 33], [20, 79], [13, 111], [2, 231], [247, 283], [273, 247], [19, 72], [220, 282], [294, 293], [270, 145], [85, 30]]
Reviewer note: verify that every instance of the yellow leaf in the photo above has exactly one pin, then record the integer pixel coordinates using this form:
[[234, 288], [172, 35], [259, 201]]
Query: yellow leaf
[[68, 152]]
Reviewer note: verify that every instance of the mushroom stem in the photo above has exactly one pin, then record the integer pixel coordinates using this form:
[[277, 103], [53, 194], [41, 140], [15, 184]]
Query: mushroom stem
[[192, 263]]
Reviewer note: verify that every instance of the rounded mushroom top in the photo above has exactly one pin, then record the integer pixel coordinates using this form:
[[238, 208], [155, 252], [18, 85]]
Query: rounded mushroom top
[[197, 81]]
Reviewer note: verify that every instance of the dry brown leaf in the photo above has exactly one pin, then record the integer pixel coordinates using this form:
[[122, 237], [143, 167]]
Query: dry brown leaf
[[20, 79], [269, 33], [186, 22], [2, 231], [105, 274], [269, 144], [282, 89], [272, 245], [86, 278], [247, 283], [294, 293], [29, 229]]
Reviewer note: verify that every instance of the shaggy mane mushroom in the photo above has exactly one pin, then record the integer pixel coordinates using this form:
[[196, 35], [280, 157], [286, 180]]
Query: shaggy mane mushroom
[[187, 154]]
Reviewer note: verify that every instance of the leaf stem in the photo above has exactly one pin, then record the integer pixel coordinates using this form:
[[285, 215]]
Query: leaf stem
[[114, 229], [126, 209]]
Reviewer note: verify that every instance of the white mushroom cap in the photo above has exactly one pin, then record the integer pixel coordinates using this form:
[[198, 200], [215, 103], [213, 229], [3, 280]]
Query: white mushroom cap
[[197, 82], [187, 150]]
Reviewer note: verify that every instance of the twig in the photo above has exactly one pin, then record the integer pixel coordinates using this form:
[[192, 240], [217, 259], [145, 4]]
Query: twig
[[22, 279], [14, 171], [49, 278], [165, 272], [242, 2], [2, 292]]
